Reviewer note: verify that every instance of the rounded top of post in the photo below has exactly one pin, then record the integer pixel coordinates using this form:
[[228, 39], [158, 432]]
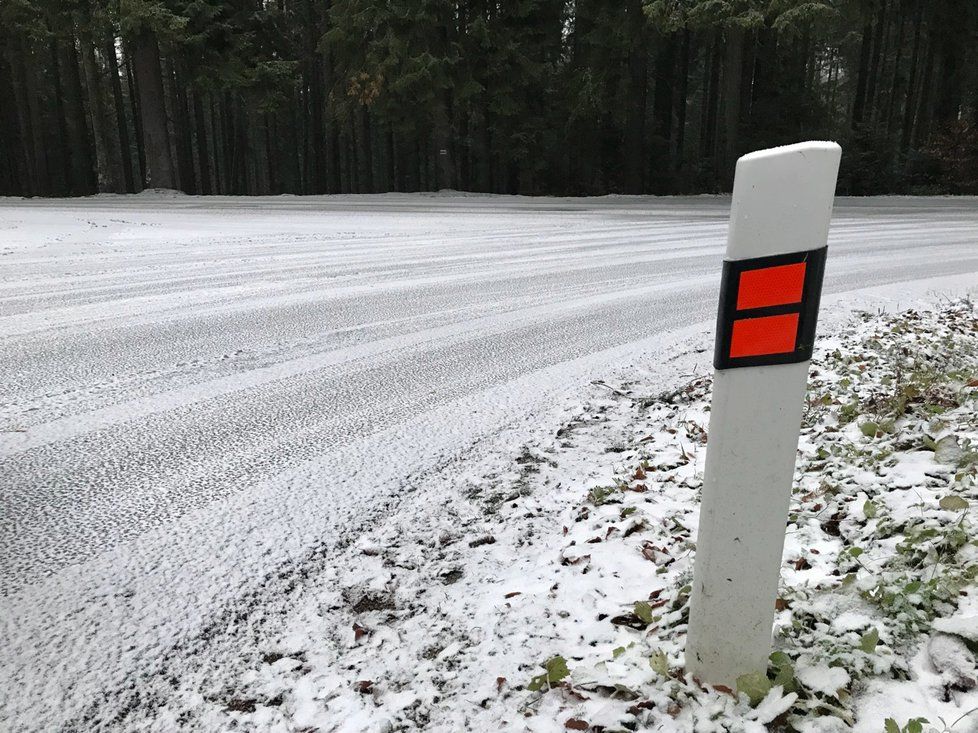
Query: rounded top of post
[[782, 199], [817, 147]]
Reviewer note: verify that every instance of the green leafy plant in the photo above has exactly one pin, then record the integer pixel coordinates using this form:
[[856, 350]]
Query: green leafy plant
[[914, 725], [755, 685], [556, 670], [954, 503], [602, 495], [869, 640], [660, 663], [644, 611], [782, 671]]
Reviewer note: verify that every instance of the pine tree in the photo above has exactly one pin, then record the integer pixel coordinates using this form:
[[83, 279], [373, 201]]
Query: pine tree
[[527, 96]]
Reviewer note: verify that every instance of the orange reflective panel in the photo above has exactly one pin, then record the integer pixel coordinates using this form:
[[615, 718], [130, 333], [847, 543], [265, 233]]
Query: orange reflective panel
[[768, 286], [767, 335]]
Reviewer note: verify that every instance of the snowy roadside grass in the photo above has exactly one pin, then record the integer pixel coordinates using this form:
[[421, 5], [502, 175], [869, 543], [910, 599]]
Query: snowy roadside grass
[[877, 620], [553, 593]]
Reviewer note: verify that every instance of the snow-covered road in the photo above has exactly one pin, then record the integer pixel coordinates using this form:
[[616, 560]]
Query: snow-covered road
[[204, 398]]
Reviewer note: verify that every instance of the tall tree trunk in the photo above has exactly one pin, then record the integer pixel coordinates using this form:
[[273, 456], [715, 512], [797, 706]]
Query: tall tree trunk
[[921, 128], [11, 177], [267, 154], [17, 62], [833, 84], [135, 116], [732, 83], [364, 154], [910, 106], [44, 174], [683, 101], [182, 136], [356, 177], [708, 129], [895, 79], [862, 75], [229, 147], [879, 37], [444, 161], [634, 152], [60, 166], [317, 158], [663, 105], [107, 170], [238, 137], [220, 146], [159, 172], [333, 165], [481, 146], [15, 178], [293, 129], [128, 157], [203, 144], [391, 167], [414, 166], [295, 149], [313, 83], [400, 163], [82, 172], [347, 184]]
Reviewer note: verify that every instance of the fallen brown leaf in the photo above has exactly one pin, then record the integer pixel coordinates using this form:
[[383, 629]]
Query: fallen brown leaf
[[640, 706]]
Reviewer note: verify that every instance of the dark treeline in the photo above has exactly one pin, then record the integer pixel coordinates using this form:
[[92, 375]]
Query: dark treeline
[[513, 96]]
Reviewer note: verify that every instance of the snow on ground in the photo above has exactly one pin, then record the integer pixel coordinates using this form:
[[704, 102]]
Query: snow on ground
[[209, 404], [552, 592]]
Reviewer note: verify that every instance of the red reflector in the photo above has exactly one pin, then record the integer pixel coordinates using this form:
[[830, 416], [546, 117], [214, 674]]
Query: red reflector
[[760, 336], [771, 286]]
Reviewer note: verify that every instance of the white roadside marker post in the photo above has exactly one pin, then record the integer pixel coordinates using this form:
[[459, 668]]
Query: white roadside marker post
[[772, 281]]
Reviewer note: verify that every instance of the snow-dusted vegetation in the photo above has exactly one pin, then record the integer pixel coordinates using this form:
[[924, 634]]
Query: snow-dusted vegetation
[[556, 596]]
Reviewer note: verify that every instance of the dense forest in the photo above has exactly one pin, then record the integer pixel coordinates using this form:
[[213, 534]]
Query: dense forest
[[508, 96]]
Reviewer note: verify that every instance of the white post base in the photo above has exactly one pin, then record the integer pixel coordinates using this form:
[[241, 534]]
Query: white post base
[[746, 493]]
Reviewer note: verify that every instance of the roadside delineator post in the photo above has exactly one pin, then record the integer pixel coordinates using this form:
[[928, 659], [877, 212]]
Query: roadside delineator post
[[769, 296]]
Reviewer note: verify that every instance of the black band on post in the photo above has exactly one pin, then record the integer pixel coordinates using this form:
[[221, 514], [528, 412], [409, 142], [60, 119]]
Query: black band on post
[[769, 309]]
